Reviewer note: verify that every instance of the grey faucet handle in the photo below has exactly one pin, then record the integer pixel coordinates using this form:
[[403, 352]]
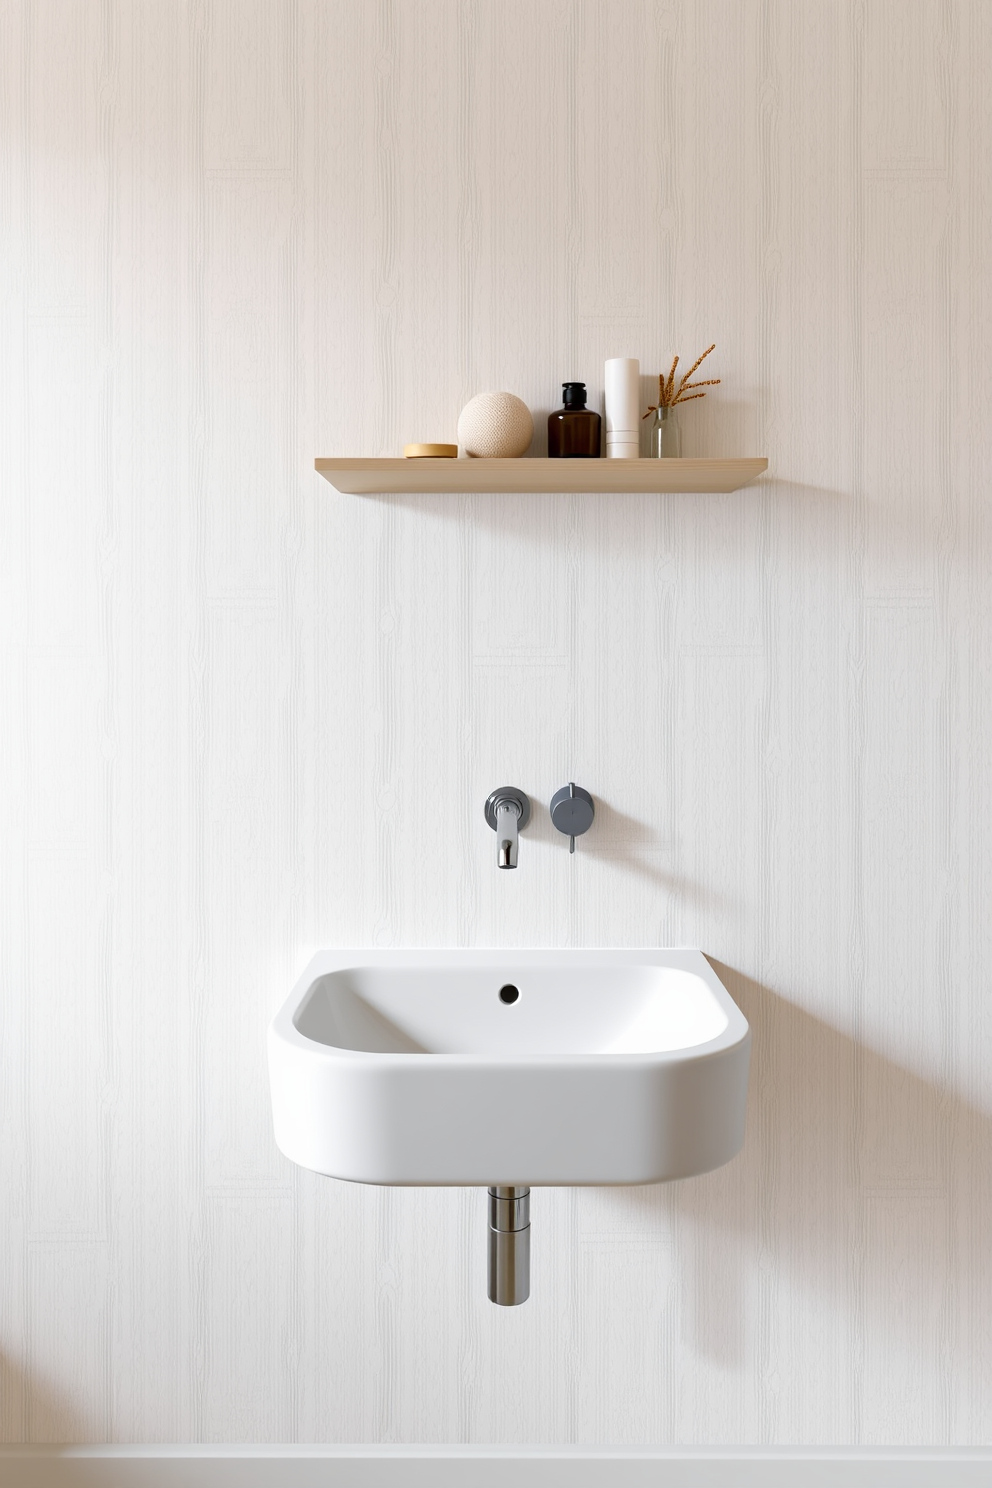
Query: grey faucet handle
[[507, 812], [572, 811]]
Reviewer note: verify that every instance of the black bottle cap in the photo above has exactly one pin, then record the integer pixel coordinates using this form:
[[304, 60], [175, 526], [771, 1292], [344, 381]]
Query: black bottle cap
[[574, 394]]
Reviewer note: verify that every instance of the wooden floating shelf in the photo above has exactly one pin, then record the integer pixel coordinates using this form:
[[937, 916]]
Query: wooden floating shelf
[[394, 477]]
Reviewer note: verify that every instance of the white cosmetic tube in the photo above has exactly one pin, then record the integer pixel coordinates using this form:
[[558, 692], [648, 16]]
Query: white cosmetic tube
[[623, 408]]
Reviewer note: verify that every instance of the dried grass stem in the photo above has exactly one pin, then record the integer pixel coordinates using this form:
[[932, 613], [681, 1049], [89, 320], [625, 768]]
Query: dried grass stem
[[669, 394]]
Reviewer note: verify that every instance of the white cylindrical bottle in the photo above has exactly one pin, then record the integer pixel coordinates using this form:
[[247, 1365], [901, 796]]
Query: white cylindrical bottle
[[623, 420]]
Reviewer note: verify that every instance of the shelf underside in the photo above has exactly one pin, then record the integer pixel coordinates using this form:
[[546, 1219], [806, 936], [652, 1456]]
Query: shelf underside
[[393, 477]]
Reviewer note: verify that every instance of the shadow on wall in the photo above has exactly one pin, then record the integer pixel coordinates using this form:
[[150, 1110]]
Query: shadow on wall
[[542, 521], [858, 1180], [634, 847], [32, 1410]]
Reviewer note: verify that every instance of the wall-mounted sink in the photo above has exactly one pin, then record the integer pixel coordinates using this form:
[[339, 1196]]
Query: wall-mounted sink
[[509, 1068]]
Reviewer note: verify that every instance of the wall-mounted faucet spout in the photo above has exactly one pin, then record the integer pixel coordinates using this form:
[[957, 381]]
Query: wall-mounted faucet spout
[[507, 816], [507, 812]]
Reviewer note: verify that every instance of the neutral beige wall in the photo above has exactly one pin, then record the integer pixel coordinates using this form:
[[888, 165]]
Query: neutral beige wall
[[244, 717]]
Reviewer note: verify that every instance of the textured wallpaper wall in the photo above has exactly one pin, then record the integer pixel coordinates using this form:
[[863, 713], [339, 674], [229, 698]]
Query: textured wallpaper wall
[[244, 717]]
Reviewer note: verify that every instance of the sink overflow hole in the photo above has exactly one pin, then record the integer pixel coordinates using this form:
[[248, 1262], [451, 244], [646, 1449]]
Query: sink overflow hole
[[509, 993]]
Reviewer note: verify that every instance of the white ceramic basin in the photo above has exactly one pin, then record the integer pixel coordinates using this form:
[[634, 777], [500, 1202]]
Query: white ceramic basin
[[407, 1067]]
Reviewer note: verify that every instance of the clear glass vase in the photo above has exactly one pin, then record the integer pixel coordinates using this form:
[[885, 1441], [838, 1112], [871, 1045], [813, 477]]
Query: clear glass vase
[[665, 435]]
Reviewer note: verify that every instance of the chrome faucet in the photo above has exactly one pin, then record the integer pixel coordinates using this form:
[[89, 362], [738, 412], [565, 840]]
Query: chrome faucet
[[507, 812]]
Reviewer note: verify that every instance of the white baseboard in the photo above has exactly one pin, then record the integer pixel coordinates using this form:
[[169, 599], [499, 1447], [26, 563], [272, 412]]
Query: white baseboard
[[491, 1467]]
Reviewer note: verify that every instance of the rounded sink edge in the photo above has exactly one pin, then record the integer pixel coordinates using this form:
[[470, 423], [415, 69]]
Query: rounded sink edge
[[488, 1181]]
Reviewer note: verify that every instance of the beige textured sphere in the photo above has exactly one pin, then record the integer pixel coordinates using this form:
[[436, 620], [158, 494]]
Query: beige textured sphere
[[495, 426]]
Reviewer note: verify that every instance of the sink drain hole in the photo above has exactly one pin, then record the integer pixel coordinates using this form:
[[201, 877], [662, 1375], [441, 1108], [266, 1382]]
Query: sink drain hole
[[509, 993]]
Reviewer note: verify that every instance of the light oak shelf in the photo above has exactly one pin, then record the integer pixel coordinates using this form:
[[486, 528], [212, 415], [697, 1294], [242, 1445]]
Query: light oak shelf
[[393, 477]]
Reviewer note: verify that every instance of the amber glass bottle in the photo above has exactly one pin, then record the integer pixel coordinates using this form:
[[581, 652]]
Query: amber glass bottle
[[574, 431]]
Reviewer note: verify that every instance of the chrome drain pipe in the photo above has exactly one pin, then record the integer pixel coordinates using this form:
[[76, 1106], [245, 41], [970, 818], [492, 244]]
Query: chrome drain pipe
[[509, 1246]]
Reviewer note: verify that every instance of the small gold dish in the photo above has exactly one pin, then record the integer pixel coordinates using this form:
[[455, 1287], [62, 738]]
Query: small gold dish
[[430, 451]]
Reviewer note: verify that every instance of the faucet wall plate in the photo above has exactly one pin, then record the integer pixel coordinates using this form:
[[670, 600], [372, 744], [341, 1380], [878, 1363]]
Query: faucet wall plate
[[572, 811], [508, 793]]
